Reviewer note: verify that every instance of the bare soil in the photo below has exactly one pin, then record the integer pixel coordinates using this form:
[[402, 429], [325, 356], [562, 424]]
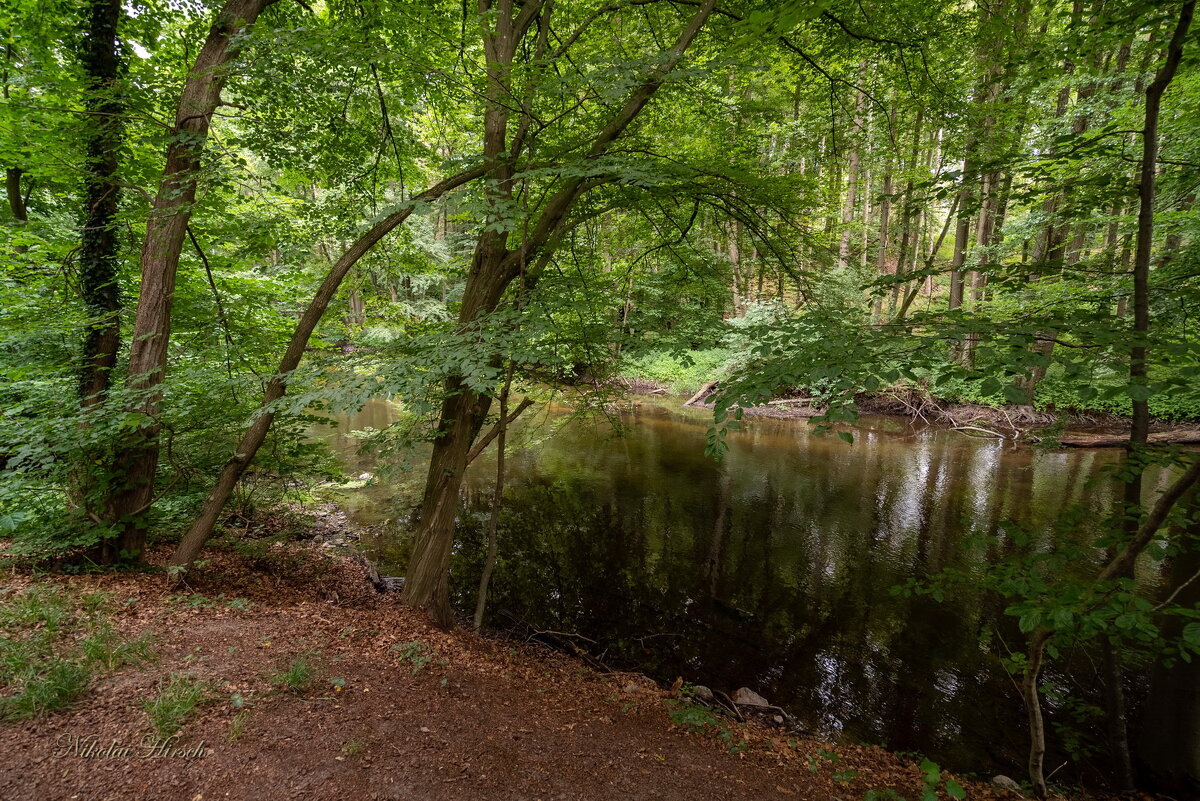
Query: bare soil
[[470, 718]]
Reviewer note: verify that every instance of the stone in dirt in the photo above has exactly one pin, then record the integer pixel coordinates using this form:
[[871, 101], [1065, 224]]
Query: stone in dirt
[[746, 696], [1006, 783], [702, 693]]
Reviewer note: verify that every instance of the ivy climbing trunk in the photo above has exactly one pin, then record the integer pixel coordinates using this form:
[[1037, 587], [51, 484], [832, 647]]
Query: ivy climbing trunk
[[98, 253]]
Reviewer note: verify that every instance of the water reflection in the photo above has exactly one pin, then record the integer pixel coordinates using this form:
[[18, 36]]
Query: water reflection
[[773, 569]]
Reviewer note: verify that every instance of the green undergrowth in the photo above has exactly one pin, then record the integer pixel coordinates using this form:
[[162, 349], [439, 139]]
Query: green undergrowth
[[682, 373], [55, 643], [177, 698]]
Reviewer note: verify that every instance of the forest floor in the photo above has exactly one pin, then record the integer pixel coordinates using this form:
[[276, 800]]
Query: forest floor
[[387, 707]]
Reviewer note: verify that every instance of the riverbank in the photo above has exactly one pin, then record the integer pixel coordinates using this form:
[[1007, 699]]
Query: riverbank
[[314, 685], [1011, 422]]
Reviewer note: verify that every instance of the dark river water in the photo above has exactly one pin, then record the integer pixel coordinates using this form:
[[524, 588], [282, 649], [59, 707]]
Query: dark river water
[[773, 569]]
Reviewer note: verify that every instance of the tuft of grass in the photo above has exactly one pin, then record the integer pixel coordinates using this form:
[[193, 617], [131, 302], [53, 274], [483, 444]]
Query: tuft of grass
[[298, 676], [44, 688], [177, 698], [237, 727], [42, 605], [52, 643], [105, 648]]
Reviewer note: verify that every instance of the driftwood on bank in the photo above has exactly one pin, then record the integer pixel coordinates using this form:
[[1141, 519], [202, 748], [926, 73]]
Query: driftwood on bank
[[1018, 423], [704, 392], [1185, 437]]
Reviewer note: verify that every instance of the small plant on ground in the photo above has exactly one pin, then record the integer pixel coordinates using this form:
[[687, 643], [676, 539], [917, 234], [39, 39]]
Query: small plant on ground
[[298, 676], [931, 778], [237, 726], [418, 653], [105, 648], [176, 699], [693, 717]]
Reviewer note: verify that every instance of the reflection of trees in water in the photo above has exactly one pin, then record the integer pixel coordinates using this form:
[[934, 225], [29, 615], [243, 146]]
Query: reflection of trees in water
[[770, 570]]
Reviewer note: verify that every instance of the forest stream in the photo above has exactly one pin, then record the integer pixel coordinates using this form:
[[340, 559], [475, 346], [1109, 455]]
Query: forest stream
[[773, 569]]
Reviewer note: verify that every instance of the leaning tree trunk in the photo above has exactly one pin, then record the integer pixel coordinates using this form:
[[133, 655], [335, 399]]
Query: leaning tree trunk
[[202, 528], [137, 459]]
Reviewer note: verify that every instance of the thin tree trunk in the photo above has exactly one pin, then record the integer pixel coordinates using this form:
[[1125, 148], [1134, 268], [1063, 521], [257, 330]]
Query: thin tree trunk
[[906, 216], [493, 526], [1033, 708], [937, 245], [977, 275], [735, 262], [962, 234], [493, 269], [1139, 427], [852, 174], [881, 255], [202, 527]]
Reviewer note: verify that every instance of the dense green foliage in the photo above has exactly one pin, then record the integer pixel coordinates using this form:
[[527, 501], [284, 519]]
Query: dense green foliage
[[833, 198]]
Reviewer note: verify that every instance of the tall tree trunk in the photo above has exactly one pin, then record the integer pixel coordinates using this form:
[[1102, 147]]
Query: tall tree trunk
[[881, 256], [1139, 427], [907, 232], [99, 251], [98, 255], [738, 280], [977, 275], [852, 174], [137, 460], [1141, 531], [493, 268]]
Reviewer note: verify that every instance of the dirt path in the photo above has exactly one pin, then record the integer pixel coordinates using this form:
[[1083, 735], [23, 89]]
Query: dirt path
[[396, 710]]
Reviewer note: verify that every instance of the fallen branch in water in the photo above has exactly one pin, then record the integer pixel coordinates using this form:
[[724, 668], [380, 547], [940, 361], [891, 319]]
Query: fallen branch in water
[[987, 431]]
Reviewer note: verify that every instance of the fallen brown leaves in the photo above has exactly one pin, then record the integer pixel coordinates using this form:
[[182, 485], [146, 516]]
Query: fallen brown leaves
[[456, 717]]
